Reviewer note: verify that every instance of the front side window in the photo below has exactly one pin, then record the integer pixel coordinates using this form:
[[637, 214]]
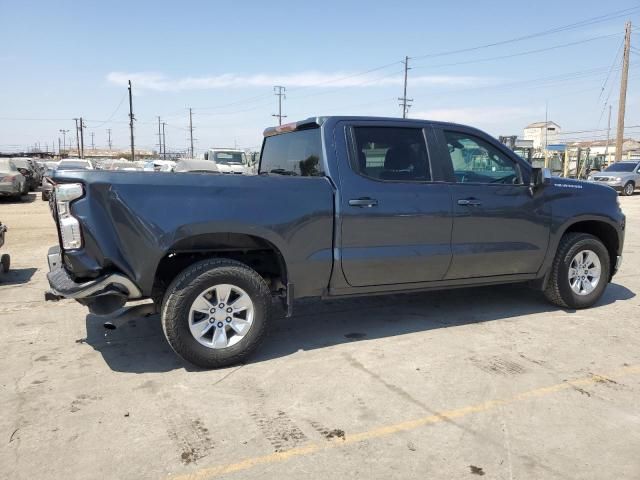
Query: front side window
[[477, 161], [391, 154], [295, 153]]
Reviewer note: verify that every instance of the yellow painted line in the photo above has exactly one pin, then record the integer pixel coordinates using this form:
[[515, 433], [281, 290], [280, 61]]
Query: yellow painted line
[[278, 457]]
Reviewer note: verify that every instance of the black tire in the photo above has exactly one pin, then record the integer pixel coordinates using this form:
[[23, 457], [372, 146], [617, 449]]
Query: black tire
[[5, 263], [183, 291], [558, 290], [628, 189]]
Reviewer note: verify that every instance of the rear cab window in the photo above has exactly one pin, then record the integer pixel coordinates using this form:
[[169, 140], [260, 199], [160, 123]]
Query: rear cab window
[[297, 153]]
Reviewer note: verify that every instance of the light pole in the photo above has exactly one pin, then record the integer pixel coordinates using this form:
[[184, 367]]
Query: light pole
[[64, 138]]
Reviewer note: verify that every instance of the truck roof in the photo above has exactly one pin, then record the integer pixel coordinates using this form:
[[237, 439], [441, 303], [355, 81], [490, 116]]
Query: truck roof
[[315, 122]]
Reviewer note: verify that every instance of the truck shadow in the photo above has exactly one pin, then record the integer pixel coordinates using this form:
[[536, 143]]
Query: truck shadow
[[139, 346]]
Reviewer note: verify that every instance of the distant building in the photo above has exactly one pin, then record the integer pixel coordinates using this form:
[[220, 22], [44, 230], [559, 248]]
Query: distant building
[[542, 133]]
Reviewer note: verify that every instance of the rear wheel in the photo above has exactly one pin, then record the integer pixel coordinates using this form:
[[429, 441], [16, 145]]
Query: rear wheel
[[215, 312], [628, 189], [580, 271]]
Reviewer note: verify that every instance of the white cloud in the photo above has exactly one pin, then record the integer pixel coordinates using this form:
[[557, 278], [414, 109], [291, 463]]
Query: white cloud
[[160, 82]]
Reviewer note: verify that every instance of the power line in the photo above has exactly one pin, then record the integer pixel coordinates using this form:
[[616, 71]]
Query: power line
[[571, 26], [112, 114], [518, 54], [615, 59]]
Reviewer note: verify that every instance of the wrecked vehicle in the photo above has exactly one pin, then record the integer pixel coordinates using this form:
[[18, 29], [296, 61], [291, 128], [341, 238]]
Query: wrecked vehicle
[[342, 206]]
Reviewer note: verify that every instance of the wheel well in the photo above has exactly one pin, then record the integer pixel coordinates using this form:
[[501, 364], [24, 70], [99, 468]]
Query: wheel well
[[604, 232], [255, 252]]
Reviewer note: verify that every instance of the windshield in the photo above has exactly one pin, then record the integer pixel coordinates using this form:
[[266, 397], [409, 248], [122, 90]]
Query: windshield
[[236, 158], [621, 167]]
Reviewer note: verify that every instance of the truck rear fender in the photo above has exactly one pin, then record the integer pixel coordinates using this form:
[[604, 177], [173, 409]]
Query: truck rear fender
[[254, 251]]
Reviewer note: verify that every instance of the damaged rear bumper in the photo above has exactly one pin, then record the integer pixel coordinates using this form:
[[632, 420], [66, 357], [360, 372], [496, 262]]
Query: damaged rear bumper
[[63, 286]]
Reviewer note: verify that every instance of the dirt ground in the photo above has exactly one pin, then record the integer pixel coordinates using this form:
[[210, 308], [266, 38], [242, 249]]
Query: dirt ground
[[490, 382]]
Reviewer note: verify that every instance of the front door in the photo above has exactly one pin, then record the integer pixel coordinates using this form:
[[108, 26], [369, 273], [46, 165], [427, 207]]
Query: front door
[[395, 221], [499, 226]]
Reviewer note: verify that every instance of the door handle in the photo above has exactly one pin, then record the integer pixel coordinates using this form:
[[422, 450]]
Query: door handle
[[363, 202], [470, 202]]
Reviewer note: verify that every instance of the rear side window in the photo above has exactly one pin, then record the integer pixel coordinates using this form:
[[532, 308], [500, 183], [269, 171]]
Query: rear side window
[[296, 153], [391, 154]]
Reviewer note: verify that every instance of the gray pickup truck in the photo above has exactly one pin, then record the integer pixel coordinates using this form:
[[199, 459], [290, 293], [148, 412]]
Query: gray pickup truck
[[341, 206], [624, 177]]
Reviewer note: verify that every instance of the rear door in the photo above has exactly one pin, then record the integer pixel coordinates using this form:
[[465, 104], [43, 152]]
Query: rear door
[[499, 227], [395, 221]]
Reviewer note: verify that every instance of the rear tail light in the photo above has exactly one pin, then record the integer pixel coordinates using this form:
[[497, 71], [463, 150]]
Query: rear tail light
[[69, 225], [8, 178]]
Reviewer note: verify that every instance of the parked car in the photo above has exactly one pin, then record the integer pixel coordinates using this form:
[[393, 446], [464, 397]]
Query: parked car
[[12, 182], [228, 160], [28, 168], [74, 164], [341, 206], [624, 177]]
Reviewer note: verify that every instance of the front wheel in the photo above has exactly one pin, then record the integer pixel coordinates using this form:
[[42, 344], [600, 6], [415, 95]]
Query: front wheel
[[580, 271], [215, 312], [628, 189]]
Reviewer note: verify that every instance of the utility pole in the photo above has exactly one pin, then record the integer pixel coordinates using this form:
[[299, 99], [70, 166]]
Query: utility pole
[[77, 137], [280, 93], [546, 135], [405, 102], [623, 90], [159, 136], [93, 147], [133, 154], [606, 148], [164, 143], [109, 137], [64, 138], [81, 138], [59, 149], [191, 130]]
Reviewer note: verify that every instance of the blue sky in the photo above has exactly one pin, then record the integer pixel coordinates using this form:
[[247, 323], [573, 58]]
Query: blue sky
[[61, 60]]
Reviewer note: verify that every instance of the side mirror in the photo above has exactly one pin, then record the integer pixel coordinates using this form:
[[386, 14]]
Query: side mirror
[[539, 177]]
